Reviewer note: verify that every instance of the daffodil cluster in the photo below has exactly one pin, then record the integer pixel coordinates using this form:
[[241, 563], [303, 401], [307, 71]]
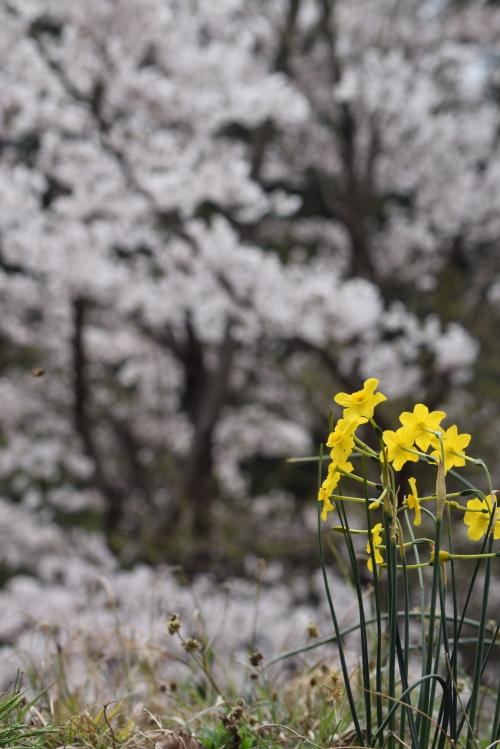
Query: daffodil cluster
[[420, 437], [387, 517], [358, 408], [421, 429]]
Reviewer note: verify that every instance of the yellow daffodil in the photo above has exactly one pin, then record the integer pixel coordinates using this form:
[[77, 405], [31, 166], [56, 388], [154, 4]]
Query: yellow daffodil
[[396, 442], [414, 502], [328, 506], [334, 476], [454, 445], [478, 522], [363, 402], [341, 439], [330, 483], [377, 539], [420, 420]]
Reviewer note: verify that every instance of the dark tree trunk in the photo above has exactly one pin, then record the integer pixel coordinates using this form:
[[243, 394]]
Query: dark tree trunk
[[198, 486], [114, 511]]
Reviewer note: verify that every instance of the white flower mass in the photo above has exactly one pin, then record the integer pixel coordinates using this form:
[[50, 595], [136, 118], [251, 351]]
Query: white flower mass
[[201, 204]]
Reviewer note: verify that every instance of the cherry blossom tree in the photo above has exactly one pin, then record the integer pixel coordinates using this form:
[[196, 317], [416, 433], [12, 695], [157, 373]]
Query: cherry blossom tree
[[214, 214]]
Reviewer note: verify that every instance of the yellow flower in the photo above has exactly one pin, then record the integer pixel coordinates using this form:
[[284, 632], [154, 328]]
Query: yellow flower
[[414, 502], [454, 445], [377, 539], [341, 439], [396, 442], [363, 402], [479, 521], [334, 476], [327, 507], [420, 420], [330, 483]]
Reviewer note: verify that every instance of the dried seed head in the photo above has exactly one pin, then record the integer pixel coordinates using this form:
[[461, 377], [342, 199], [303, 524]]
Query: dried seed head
[[254, 676], [191, 645], [255, 659], [312, 629], [173, 623]]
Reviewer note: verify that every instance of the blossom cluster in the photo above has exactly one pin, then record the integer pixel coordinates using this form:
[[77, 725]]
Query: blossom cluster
[[175, 217]]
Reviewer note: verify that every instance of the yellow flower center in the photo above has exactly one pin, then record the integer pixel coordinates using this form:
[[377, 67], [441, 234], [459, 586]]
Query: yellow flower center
[[359, 397]]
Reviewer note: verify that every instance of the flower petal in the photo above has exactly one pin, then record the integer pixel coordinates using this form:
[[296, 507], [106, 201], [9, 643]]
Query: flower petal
[[476, 531], [370, 386], [421, 412], [434, 419], [376, 399], [343, 399]]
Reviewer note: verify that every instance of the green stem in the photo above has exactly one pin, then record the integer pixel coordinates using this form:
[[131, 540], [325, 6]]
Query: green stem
[[496, 720], [453, 661], [423, 680], [488, 478], [393, 619], [314, 458], [416, 542], [495, 733], [376, 587], [352, 499], [442, 635], [469, 594], [365, 447], [422, 608], [479, 651], [365, 662], [343, 663], [407, 700], [491, 643], [358, 478], [425, 705], [406, 655], [332, 638]]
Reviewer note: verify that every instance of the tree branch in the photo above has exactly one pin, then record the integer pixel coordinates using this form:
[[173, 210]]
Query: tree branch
[[263, 134]]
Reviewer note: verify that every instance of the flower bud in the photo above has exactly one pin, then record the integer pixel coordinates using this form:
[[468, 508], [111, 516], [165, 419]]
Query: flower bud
[[444, 556]]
